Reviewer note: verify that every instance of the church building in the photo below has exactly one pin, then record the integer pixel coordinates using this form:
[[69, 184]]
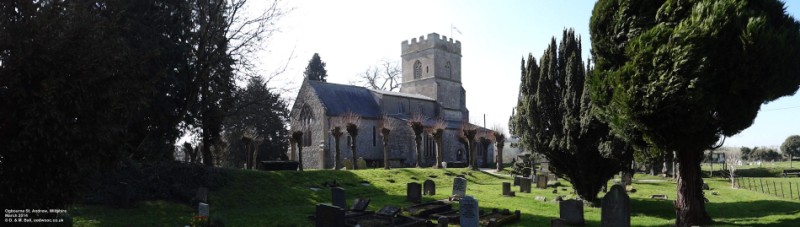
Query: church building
[[430, 88]]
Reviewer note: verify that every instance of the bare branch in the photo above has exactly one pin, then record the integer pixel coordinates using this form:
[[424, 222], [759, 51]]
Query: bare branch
[[384, 76]]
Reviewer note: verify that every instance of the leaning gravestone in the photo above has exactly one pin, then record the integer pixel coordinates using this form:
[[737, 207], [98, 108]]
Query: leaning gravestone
[[348, 165], [459, 187], [506, 189], [329, 216], [362, 164], [541, 181], [572, 212], [360, 205], [616, 208], [468, 212], [202, 209], [429, 187], [414, 192], [525, 185], [338, 197]]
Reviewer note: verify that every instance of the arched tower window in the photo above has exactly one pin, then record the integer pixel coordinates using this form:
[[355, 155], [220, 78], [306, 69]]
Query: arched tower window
[[417, 69], [448, 70]]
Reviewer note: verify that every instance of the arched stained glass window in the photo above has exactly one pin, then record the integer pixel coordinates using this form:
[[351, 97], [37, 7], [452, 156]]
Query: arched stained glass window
[[417, 69]]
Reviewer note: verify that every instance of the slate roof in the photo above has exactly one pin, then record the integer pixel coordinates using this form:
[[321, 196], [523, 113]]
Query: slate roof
[[339, 99]]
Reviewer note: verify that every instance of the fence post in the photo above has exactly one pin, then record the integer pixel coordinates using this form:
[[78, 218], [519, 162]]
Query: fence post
[[790, 191], [762, 184], [749, 185], [774, 188], [782, 194]]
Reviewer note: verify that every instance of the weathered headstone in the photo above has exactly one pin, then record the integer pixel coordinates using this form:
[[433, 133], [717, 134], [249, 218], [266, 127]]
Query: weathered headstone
[[558, 222], [627, 179], [459, 187], [202, 209], [429, 187], [388, 211], [202, 194], [516, 180], [338, 197], [442, 221], [541, 181], [616, 208], [444, 165], [468, 212], [705, 186], [506, 189], [414, 192], [329, 216], [362, 164], [348, 165], [360, 205], [663, 197], [525, 185], [526, 172], [544, 167], [572, 212]]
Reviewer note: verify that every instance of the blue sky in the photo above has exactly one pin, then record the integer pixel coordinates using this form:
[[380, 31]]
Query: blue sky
[[353, 35]]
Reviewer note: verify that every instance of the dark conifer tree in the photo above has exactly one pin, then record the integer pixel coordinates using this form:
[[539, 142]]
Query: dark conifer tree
[[316, 69]]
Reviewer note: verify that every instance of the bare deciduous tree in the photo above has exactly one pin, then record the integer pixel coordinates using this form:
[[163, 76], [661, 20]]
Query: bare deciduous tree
[[732, 159], [384, 76]]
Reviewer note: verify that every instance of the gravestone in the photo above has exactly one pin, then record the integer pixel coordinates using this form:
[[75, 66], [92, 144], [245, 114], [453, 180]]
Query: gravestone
[[541, 181], [348, 165], [526, 172], [627, 179], [202, 209], [388, 211], [429, 187], [616, 208], [362, 164], [360, 205], [329, 216], [558, 222], [202, 195], [705, 186], [459, 187], [572, 212], [338, 197], [544, 167], [525, 185], [444, 165], [442, 221], [516, 180], [414, 192], [468, 212], [506, 189], [662, 197]]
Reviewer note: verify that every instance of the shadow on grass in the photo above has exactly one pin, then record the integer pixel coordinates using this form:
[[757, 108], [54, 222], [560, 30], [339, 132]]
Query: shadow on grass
[[743, 211]]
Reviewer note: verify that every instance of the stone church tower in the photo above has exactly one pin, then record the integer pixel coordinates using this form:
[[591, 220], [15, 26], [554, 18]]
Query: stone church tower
[[432, 67]]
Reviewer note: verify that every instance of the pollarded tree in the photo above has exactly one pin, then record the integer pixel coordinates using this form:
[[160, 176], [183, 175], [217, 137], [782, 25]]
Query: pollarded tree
[[791, 147], [437, 132], [385, 124], [685, 73], [499, 139], [316, 69], [351, 122], [336, 132], [297, 138], [466, 136], [555, 118], [417, 127]]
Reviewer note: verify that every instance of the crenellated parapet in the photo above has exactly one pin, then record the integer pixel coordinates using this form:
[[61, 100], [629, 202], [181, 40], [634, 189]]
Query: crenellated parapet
[[433, 40]]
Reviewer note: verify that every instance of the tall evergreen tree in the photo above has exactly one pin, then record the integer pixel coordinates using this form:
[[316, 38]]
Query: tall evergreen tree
[[682, 74], [316, 69], [555, 118]]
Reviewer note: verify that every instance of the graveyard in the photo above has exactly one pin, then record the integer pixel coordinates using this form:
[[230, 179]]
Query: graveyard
[[288, 198]]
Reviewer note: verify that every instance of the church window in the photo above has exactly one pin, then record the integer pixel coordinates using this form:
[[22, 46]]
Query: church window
[[429, 147], [448, 70], [373, 136], [417, 69], [306, 121]]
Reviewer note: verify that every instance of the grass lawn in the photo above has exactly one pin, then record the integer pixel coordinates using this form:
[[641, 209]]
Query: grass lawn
[[256, 198]]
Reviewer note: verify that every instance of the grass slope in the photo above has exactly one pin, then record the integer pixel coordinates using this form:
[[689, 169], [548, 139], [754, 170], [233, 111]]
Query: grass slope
[[255, 198]]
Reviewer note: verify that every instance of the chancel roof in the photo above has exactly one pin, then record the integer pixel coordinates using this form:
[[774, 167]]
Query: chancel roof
[[339, 99]]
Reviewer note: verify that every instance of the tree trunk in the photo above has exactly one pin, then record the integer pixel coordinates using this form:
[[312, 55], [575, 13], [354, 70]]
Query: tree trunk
[[385, 155], [353, 149], [300, 157], [473, 153], [207, 141], [498, 157], [417, 141], [689, 207], [439, 158], [337, 154]]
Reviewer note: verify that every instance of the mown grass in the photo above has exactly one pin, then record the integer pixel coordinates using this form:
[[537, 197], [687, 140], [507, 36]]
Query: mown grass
[[255, 198]]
